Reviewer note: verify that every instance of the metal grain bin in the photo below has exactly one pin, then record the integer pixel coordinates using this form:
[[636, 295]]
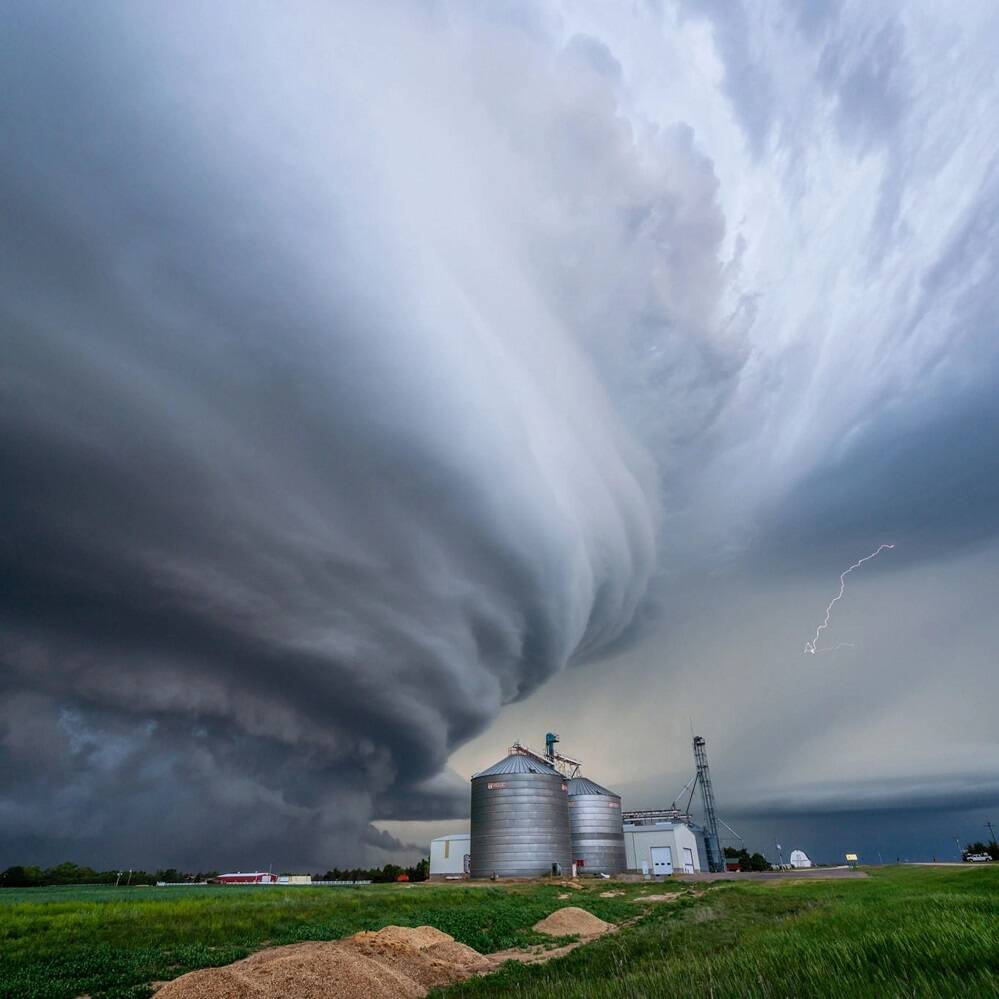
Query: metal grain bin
[[597, 833], [520, 819]]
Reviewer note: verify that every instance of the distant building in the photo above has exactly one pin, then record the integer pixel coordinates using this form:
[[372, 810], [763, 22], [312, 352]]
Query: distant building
[[253, 878], [294, 879], [663, 847], [449, 857], [800, 859]]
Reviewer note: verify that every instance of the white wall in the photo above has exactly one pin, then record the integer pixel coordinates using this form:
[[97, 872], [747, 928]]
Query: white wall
[[447, 854]]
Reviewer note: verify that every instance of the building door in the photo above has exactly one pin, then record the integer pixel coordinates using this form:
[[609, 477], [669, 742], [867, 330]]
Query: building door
[[662, 860], [688, 860]]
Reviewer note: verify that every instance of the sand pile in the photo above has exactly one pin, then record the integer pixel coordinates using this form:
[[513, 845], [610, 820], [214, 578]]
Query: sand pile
[[424, 954], [572, 922], [397, 962]]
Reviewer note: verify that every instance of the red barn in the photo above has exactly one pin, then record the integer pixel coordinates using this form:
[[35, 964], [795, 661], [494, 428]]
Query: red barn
[[254, 878]]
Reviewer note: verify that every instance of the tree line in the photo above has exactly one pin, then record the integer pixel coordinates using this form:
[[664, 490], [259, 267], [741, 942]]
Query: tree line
[[747, 861], [68, 873], [379, 875]]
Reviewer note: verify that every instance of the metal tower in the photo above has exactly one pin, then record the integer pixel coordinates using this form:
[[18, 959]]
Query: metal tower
[[712, 844]]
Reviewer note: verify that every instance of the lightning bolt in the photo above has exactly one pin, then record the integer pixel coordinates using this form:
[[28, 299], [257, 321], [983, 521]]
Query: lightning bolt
[[811, 648]]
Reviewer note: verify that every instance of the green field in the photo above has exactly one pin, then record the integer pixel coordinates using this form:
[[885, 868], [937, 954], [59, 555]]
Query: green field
[[901, 932]]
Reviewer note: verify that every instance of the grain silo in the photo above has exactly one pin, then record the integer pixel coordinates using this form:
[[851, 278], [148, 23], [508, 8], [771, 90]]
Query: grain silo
[[520, 818], [595, 824]]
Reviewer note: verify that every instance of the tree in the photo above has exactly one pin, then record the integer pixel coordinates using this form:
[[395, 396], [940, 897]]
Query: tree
[[419, 871], [741, 856], [387, 874], [21, 877]]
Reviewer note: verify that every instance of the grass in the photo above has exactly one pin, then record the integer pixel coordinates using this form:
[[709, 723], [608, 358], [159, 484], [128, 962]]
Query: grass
[[901, 932], [58, 943]]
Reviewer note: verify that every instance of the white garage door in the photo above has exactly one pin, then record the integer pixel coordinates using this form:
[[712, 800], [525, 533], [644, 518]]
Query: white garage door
[[662, 860], [688, 860]]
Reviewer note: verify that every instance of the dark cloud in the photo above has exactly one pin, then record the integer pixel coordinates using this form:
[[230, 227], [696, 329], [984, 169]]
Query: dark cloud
[[918, 835], [307, 472], [931, 487]]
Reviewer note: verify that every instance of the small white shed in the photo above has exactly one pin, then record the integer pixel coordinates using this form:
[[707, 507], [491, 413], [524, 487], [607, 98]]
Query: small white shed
[[665, 847], [449, 856]]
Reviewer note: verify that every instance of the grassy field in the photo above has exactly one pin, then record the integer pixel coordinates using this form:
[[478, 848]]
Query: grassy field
[[57, 943], [902, 932]]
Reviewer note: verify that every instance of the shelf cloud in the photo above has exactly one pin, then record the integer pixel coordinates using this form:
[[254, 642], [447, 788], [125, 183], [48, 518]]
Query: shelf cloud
[[366, 368]]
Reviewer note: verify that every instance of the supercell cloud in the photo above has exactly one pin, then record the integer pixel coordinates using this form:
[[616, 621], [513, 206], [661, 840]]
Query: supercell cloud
[[309, 466], [364, 368]]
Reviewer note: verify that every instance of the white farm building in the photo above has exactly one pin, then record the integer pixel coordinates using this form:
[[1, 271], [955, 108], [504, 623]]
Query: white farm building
[[449, 856], [661, 848]]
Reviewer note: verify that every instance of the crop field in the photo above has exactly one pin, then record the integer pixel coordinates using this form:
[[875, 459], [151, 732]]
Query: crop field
[[901, 932]]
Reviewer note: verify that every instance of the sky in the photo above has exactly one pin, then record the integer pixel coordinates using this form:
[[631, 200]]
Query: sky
[[383, 383]]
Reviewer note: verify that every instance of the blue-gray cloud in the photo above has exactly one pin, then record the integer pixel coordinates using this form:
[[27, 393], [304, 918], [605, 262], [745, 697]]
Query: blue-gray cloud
[[309, 469], [366, 368]]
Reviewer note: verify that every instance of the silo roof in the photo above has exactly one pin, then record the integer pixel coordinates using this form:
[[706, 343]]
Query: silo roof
[[518, 763], [583, 785]]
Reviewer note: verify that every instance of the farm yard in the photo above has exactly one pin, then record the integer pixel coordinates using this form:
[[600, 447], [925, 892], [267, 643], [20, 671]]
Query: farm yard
[[903, 931]]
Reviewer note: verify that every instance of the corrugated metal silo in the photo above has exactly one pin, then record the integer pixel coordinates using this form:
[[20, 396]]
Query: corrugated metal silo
[[520, 819], [595, 822]]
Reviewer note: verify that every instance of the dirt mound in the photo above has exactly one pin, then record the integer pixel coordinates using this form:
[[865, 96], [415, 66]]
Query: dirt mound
[[397, 962], [572, 922], [610, 894], [406, 937], [425, 954]]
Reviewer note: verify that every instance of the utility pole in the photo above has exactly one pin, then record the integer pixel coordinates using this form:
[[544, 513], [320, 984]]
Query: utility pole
[[712, 842], [992, 834]]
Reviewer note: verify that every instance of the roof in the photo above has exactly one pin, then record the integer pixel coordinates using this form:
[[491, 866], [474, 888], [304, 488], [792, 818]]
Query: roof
[[451, 836], [583, 785], [518, 763]]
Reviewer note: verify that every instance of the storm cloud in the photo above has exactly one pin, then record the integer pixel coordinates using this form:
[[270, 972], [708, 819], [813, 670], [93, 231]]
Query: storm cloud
[[309, 468], [366, 367]]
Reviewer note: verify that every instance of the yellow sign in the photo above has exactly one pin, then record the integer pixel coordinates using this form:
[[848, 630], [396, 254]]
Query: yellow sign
[[851, 856]]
